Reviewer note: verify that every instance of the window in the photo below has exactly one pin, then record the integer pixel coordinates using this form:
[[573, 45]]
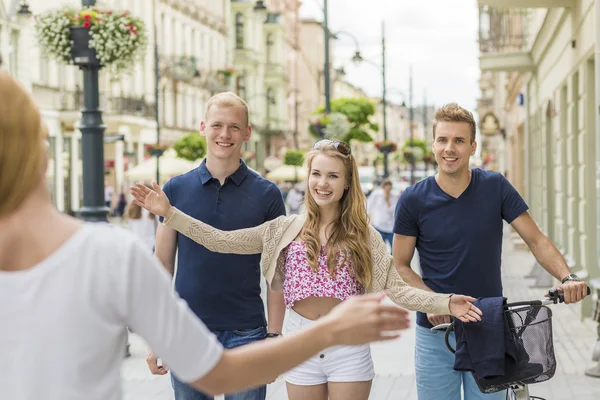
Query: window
[[240, 85], [239, 31], [269, 48]]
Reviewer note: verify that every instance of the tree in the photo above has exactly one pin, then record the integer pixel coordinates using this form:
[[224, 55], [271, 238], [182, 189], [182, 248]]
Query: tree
[[359, 111], [293, 157], [191, 147]]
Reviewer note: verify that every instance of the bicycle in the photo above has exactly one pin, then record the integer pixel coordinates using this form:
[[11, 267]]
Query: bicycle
[[530, 324]]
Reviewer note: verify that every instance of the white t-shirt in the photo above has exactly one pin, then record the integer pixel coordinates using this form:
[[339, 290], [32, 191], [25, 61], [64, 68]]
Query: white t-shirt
[[382, 215], [62, 323]]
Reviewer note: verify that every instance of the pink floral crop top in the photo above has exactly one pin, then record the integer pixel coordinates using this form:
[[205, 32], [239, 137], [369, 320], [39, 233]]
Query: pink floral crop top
[[301, 282]]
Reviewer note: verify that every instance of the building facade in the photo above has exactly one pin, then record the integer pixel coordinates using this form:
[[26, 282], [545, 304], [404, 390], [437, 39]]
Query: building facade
[[191, 37], [539, 99]]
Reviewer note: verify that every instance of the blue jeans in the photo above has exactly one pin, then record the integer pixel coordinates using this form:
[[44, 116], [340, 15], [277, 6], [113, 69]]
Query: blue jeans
[[436, 377], [387, 236], [229, 339]]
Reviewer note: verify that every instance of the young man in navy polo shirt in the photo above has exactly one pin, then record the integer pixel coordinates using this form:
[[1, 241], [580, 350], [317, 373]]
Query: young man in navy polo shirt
[[222, 289], [454, 220]]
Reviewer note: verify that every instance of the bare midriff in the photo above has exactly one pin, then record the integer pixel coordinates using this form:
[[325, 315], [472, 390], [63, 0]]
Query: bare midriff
[[314, 308]]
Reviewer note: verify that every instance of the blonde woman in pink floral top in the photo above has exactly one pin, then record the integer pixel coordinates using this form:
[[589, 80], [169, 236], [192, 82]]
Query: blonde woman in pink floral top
[[318, 260]]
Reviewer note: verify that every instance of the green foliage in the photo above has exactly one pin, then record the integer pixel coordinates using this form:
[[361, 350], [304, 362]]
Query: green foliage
[[191, 147], [417, 143], [359, 112], [293, 157]]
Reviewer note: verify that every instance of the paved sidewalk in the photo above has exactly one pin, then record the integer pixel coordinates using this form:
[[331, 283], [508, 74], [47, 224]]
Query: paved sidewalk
[[394, 363]]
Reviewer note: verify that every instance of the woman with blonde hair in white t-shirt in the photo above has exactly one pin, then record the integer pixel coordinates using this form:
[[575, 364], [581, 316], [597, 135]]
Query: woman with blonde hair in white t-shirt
[[69, 289]]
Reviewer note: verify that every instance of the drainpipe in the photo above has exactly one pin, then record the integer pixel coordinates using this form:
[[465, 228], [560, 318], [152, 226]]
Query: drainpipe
[[597, 108], [526, 161], [595, 283]]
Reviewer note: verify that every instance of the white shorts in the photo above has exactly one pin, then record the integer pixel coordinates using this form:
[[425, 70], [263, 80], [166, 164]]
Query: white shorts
[[335, 364]]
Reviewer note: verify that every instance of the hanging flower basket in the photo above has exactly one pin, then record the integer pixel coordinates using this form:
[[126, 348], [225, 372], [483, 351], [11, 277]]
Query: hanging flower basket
[[330, 126], [92, 38], [413, 154], [224, 76], [156, 150], [386, 146], [81, 52], [429, 158]]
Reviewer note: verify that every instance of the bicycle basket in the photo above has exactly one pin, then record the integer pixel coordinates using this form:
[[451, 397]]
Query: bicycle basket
[[530, 330]]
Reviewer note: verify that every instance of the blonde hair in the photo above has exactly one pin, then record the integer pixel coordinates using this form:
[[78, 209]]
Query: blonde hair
[[350, 233], [452, 112], [134, 211], [21, 145], [226, 99]]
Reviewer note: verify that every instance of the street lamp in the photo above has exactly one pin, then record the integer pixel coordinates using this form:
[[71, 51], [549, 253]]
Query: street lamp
[[24, 10], [357, 59], [92, 143]]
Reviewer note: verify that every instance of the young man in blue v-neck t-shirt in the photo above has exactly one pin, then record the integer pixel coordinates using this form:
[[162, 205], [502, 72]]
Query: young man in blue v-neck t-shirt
[[455, 221]]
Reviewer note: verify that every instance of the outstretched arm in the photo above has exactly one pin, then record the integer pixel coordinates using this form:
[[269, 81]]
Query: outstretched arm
[[241, 241]]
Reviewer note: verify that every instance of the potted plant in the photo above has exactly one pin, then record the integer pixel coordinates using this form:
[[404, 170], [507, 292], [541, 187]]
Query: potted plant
[[224, 75], [91, 38], [386, 146]]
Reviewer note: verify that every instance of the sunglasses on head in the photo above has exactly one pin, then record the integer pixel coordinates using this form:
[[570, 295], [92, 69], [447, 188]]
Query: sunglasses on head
[[339, 146]]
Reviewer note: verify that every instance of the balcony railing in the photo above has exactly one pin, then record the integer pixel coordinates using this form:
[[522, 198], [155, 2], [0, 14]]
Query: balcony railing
[[135, 106], [110, 105], [503, 30]]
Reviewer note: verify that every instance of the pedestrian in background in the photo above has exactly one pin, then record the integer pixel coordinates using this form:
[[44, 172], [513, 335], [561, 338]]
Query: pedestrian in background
[[68, 290], [222, 289], [318, 260], [455, 220], [380, 207], [143, 224], [295, 198]]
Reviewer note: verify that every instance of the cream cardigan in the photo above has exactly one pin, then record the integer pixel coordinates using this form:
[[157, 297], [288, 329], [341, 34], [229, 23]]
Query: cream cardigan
[[274, 236]]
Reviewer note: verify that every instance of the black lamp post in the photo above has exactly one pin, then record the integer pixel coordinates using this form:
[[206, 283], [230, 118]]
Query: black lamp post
[[92, 144], [357, 59], [326, 71]]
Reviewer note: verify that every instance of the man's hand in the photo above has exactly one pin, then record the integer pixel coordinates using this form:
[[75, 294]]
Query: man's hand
[[155, 201], [435, 319], [156, 369], [363, 319], [574, 291]]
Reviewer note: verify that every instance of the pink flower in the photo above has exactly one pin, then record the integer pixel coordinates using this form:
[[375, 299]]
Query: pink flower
[[86, 24]]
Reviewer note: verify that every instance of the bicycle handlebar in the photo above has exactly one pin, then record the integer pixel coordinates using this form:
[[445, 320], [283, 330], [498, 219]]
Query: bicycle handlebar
[[554, 296]]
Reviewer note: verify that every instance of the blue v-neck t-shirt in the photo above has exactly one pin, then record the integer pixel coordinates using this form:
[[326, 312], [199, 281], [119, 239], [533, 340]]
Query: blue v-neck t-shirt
[[459, 240]]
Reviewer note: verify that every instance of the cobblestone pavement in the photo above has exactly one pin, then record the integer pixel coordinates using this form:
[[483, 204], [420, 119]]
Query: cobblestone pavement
[[394, 364]]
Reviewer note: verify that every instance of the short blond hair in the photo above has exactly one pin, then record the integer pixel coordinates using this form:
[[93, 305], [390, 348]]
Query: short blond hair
[[21, 145], [226, 99], [452, 112]]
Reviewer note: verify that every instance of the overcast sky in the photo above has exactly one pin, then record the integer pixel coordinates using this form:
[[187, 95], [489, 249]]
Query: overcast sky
[[438, 37]]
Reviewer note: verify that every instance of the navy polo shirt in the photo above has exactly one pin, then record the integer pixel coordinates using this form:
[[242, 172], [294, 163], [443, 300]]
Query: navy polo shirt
[[459, 240], [222, 289]]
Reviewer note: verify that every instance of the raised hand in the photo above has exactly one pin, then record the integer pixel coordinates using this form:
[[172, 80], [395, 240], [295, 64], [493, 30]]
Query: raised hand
[[461, 308], [363, 319], [153, 200]]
